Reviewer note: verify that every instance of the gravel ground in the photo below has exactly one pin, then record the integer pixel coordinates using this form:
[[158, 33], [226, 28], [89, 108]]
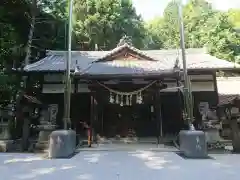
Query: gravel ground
[[119, 165]]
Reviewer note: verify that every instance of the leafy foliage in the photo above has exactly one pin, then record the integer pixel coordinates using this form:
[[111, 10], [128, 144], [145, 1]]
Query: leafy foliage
[[105, 22], [222, 39], [153, 37], [15, 19], [234, 17], [204, 27]]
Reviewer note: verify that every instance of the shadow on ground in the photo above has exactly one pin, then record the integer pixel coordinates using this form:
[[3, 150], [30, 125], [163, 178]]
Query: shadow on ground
[[182, 155]]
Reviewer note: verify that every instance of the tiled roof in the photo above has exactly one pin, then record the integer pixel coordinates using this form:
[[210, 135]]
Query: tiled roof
[[195, 58], [87, 61], [227, 99], [56, 61], [126, 46], [118, 67]]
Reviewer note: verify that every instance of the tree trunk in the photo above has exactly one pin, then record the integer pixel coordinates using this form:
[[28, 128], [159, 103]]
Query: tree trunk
[[31, 31], [25, 134], [235, 135]]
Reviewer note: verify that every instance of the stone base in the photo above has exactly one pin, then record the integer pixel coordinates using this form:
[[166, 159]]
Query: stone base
[[62, 144], [212, 135], [43, 140], [41, 145], [6, 145], [193, 144], [44, 136]]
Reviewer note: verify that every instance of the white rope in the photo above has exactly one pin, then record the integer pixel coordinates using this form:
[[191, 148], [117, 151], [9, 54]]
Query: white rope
[[127, 93]]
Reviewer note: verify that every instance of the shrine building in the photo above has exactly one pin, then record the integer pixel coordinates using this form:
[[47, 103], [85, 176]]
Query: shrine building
[[127, 88]]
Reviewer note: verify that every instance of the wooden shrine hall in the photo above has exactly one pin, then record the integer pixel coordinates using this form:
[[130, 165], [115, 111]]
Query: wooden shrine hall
[[126, 90]]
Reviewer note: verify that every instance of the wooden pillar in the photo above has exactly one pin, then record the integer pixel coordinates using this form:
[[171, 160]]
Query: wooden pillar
[[215, 86], [41, 84], [179, 94], [102, 119], [93, 114], [76, 81], [91, 121], [158, 113], [74, 95], [100, 122], [180, 99]]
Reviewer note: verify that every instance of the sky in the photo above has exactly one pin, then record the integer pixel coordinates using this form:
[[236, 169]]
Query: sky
[[152, 8]]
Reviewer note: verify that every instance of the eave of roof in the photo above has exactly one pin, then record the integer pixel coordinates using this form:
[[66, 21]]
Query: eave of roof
[[197, 60], [126, 76]]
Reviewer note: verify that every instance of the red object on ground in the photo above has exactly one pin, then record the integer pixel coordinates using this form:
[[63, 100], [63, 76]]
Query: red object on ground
[[88, 132]]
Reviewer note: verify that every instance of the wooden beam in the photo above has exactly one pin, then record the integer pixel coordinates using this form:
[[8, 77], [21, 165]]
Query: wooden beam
[[91, 121], [129, 76], [75, 85], [215, 86]]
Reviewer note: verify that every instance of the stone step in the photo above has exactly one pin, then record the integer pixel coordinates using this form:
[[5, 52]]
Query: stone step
[[132, 141]]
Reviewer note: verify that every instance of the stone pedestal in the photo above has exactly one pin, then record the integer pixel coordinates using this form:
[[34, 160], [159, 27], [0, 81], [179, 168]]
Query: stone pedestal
[[62, 144], [212, 135], [6, 144], [43, 137], [5, 134], [193, 144]]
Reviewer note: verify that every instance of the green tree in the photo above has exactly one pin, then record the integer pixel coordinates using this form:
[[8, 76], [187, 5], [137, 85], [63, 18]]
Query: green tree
[[234, 17], [153, 37], [105, 22], [196, 14], [170, 26], [9, 43], [203, 27], [15, 23], [222, 40]]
